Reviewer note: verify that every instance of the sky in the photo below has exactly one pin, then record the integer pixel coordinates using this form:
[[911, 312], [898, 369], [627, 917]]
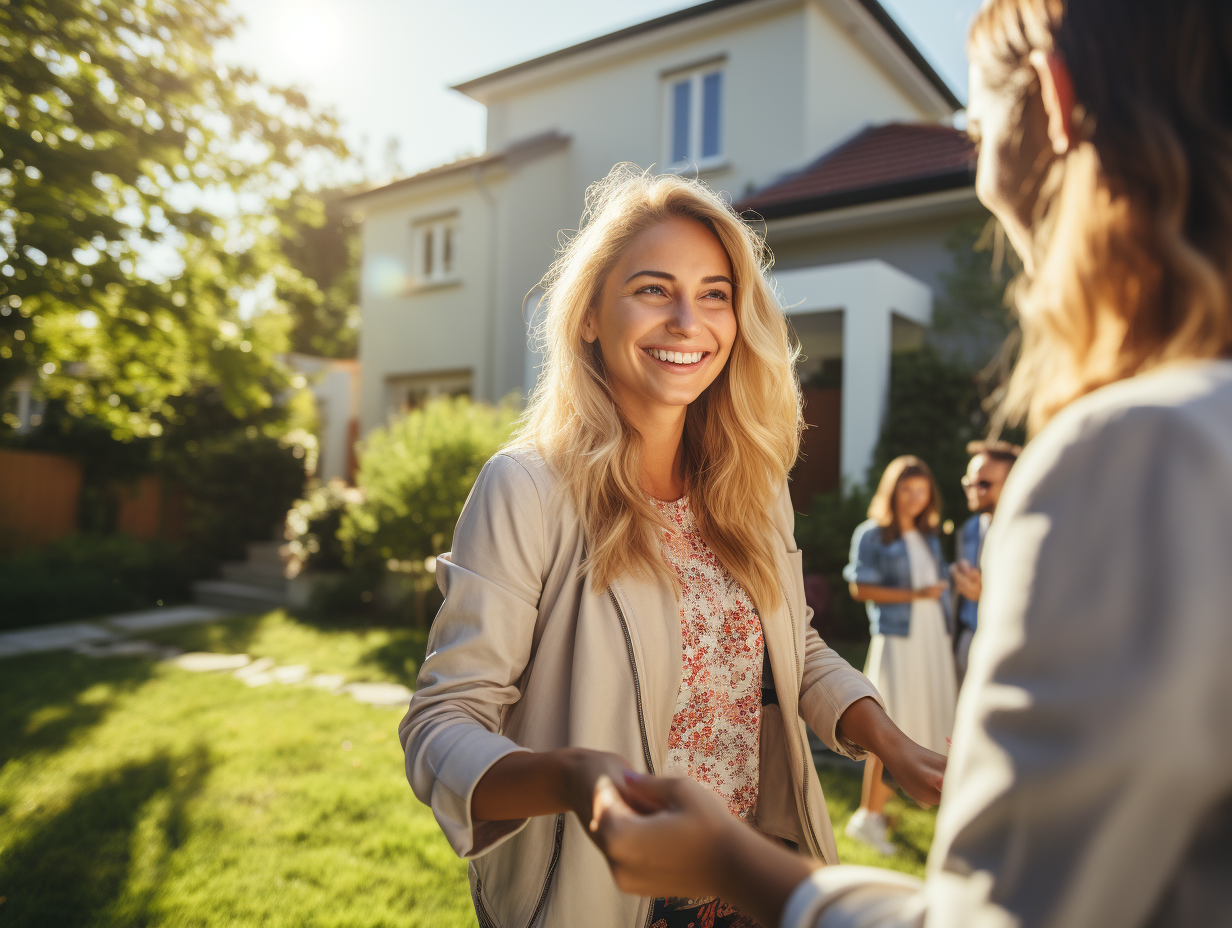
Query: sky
[[384, 66]]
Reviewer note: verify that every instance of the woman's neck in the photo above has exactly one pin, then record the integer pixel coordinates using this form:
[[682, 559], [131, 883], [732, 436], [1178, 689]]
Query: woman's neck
[[662, 432], [906, 525]]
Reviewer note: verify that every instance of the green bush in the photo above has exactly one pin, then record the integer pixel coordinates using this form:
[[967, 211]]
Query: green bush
[[313, 523], [88, 575], [824, 536], [415, 475]]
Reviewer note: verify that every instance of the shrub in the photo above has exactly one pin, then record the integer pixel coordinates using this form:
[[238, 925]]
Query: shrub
[[88, 575], [824, 536], [415, 476], [313, 523]]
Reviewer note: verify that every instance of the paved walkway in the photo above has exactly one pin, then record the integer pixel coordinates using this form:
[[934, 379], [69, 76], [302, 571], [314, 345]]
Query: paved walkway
[[109, 638]]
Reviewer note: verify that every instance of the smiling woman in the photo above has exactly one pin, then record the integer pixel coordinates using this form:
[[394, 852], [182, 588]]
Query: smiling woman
[[624, 592]]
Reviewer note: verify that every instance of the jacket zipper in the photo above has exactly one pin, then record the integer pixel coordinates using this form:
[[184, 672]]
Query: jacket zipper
[[795, 650], [637, 685], [641, 717], [485, 920]]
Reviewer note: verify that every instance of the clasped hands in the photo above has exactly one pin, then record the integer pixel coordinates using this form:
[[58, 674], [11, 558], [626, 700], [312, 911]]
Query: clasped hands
[[672, 836]]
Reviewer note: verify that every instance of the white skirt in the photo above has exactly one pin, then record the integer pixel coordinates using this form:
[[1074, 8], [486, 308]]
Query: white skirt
[[915, 676]]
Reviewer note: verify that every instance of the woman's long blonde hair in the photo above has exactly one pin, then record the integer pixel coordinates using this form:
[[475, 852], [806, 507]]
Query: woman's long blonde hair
[[740, 437], [1133, 226]]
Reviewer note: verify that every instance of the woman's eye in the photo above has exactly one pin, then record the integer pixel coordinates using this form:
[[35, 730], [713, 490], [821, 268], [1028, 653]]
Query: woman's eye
[[652, 289], [715, 295]]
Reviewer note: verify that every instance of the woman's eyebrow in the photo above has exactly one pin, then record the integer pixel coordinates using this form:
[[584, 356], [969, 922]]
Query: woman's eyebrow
[[663, 275], [719, 279]]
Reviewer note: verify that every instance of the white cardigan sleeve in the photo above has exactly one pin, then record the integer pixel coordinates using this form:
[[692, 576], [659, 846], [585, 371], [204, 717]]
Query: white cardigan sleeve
[[478, 648], [1092, 755]]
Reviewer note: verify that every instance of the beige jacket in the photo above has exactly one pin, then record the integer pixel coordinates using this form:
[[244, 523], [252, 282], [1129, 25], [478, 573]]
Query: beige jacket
[[1090, 782], [525, 655]]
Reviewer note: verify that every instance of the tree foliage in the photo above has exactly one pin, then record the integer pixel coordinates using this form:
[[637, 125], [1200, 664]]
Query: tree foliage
[[136, 178], [320, 239]]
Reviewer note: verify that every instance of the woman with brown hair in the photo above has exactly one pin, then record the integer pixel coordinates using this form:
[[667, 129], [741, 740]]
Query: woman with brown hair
[[1090, 780], [895, 570]]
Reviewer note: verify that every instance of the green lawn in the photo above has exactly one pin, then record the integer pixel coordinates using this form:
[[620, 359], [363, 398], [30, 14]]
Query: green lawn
[[137, 794], [133, 793]]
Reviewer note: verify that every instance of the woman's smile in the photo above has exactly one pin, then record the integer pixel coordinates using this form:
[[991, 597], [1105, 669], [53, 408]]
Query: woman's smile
[[678, 361]]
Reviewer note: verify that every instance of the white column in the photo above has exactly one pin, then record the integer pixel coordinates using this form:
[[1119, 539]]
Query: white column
[[866, 383], [868, 293]]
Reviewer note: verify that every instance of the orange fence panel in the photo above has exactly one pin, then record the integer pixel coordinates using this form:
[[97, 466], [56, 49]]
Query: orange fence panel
[[39, 494]]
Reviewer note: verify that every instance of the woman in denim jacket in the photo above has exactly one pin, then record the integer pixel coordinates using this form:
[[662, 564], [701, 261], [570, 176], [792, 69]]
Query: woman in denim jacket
[[896, 569]]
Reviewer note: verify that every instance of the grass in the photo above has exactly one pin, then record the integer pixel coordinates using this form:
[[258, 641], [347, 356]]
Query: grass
[[136, 794], [133, 793]]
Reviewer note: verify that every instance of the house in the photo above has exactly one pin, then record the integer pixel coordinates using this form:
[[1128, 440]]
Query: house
[[820, 115]]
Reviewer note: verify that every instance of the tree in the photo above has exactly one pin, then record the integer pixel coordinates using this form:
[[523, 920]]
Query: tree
[[119, 289], [320, 240]]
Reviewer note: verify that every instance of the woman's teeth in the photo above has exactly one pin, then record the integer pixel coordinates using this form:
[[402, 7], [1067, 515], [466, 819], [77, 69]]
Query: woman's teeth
[[676, 357]]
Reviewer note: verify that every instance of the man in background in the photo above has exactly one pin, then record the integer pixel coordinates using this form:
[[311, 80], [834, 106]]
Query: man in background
[[986, 472]]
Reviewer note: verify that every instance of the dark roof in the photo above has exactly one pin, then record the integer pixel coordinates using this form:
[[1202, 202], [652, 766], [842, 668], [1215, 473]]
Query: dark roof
[[880, 163], [521, 148], [873, 7]]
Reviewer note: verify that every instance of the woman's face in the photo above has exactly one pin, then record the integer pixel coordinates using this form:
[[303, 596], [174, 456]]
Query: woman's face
[[1014, 154], [912, 496], [665, 321]]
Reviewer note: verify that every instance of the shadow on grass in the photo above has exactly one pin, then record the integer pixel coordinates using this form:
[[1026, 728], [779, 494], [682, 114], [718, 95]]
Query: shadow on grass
[[46, 700], [76, 867]]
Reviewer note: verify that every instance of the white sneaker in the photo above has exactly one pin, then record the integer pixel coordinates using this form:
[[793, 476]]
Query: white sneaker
[[870, 828]]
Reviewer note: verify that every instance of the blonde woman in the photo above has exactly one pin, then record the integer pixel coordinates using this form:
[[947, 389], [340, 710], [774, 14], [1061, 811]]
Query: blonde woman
[[624, 592], [1090, 780]]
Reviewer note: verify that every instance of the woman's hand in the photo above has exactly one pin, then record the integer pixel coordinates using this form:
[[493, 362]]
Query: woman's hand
[[690, 845], [916, 769], [932, 592]]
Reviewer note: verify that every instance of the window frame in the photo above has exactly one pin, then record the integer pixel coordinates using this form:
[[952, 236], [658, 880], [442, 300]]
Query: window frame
[[442, 231], [696, 76]]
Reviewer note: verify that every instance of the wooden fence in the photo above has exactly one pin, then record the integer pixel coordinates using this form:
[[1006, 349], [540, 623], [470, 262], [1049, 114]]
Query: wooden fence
[[40, 495]]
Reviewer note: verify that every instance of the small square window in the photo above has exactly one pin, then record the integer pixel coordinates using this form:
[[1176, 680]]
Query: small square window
[[695, 118], [436, 250]]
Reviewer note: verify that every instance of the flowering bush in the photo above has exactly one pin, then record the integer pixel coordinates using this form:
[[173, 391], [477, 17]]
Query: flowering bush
[[312, 526]]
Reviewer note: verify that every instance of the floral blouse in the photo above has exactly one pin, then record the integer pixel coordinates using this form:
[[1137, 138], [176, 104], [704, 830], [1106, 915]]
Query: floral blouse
[[715, 733]]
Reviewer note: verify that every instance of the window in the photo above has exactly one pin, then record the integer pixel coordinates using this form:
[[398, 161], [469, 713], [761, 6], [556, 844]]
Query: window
[[436, 251], [695, 118], [405, 392]]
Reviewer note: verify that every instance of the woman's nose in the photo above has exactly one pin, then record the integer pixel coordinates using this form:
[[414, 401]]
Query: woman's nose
[[684, 319]]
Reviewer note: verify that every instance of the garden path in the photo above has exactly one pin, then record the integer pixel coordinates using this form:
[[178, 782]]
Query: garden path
[[108, 637]]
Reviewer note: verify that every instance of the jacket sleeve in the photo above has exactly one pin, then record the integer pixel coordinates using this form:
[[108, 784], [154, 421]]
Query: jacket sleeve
[[478, 648], [829, 684], [864, 563], [829, 687], [1103, 626]]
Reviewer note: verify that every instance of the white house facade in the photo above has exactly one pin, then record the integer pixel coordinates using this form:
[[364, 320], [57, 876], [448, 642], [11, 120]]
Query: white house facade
[[750, 95]]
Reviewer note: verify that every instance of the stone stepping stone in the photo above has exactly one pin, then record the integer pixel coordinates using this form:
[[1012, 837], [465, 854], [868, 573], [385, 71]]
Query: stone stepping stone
[[209, 662], [379, 694], [257, 673], [290, 673], [51, 638], [328, 681], [166, 617], [134, 648]]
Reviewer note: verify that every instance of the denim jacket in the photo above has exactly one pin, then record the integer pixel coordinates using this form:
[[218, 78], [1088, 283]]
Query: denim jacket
[[969, 548], [880, 564]]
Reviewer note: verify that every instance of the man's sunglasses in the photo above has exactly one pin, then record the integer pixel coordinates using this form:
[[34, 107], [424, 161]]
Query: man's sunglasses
[[984, 485]]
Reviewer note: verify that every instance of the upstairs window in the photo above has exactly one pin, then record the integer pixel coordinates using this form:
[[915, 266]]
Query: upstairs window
[[695, 117], [436, 250]]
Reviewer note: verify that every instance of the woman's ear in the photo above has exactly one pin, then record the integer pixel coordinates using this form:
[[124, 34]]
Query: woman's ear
[[589, 332], [1057, 90]]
